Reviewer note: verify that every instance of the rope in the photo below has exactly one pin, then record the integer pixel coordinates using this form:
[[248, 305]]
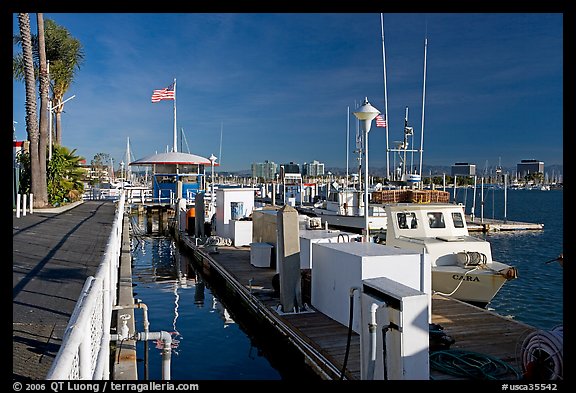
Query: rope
[[542, 354], [471, 365], [459, 284]]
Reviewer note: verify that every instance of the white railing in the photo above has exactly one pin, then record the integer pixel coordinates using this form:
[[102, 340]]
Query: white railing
[[85, 349]]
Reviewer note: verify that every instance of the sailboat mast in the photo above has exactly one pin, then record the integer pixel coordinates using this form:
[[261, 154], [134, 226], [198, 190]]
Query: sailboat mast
[[347, 144], [423, 101], [127, 160], [220, 151], [385, 98]]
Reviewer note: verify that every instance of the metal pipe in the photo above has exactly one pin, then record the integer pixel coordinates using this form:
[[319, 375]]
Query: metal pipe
[[166, 349], [146, 324], [372, 330]]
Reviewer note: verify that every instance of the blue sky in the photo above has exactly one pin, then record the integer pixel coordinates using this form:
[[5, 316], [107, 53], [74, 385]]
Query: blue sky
[[278, 87]]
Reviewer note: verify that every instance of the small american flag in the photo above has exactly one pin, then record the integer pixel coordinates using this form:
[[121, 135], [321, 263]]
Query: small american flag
[[380, 121], [166, 93]]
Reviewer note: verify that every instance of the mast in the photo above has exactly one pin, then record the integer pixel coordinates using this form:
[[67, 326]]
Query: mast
[[220, 151], [127, 160], [347, 144], [423, 100], [385, 97]]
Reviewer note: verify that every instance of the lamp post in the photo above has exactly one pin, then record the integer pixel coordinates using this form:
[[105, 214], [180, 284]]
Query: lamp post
[[50, 110], [212, 158], [366, 113]]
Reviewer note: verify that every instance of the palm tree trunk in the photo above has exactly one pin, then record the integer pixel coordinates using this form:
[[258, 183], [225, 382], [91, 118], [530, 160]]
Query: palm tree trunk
[[31, 115], [42, 197], [58, 136]]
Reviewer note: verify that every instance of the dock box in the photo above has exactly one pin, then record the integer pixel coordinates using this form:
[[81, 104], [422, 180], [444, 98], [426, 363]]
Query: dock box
[[338, 267]]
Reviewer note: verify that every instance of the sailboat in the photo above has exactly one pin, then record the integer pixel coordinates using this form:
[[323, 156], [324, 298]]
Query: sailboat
[[344, 208], [462, 265]]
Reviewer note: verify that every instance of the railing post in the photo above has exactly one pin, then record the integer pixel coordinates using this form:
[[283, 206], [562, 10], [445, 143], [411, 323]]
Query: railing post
[[18, 197], [24, 205], [31, 203]]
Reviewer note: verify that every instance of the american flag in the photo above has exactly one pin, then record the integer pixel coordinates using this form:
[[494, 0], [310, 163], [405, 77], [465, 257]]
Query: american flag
[[380, 121], [166, 93]]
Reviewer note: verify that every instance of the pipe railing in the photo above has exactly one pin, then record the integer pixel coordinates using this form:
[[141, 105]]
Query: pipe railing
[[85, 349]]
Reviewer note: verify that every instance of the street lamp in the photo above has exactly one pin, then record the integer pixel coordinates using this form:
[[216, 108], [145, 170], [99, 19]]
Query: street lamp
[[50, 110], [212, 158], [366, 113]]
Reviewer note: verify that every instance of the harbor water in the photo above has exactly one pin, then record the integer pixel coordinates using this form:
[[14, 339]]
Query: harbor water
[[213, 342], [536, 296], [209, 341]]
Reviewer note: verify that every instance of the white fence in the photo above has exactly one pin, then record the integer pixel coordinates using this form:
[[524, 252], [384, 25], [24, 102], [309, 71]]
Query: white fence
[[85, 350]]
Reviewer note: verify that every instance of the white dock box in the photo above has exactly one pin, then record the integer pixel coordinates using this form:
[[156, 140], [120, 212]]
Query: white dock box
[[260, 254], [311, 236], [338, 267]]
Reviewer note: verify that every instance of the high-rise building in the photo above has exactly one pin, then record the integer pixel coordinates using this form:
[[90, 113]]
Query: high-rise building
[[463, 169], [291, 168], [526, 167], [314, 168], [266, 170]]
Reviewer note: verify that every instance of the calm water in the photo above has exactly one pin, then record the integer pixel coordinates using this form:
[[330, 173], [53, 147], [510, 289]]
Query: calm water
[[536, 297], [211, 344]]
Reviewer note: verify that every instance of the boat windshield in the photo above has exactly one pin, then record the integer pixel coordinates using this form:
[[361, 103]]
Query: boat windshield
[[407, 220], [436, 220], [458, 221]]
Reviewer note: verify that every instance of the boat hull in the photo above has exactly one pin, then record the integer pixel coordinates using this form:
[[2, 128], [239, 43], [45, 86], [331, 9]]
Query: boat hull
[[476, 287]]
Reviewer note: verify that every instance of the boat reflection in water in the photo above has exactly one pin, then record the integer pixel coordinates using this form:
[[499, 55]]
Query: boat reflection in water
[[207, 344]]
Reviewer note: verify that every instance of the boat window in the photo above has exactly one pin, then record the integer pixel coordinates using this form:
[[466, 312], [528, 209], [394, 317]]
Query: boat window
[[166, 179], [436, 220], [458, 221], [407, 220], [189, 179]]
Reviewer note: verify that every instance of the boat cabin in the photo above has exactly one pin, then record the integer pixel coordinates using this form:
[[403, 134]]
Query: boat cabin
[[426, 220], [176, 175]]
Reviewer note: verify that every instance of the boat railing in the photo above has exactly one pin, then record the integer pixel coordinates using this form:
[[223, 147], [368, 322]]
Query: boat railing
[[85, 349]]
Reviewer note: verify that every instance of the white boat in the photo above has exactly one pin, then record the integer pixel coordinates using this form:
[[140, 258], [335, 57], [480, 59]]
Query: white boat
[[462, 265], [345, 209]]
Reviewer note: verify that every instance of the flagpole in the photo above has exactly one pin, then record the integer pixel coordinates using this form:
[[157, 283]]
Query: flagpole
[[175, 148]]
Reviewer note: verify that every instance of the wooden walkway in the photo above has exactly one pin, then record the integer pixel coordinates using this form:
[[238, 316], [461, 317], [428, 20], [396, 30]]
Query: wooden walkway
[[53, 254], [323, 340]]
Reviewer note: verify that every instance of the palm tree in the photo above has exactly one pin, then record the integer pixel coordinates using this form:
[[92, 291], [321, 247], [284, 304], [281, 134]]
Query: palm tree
[[65, 176], [31, 116], [42, 197], [66, 55]]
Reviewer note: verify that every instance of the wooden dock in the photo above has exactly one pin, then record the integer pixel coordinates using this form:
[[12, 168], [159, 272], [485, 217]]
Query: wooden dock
[[323, 341], [492, 225]]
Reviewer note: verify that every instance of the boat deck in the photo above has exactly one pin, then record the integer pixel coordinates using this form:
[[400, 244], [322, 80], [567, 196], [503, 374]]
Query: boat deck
[[323, 340]]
